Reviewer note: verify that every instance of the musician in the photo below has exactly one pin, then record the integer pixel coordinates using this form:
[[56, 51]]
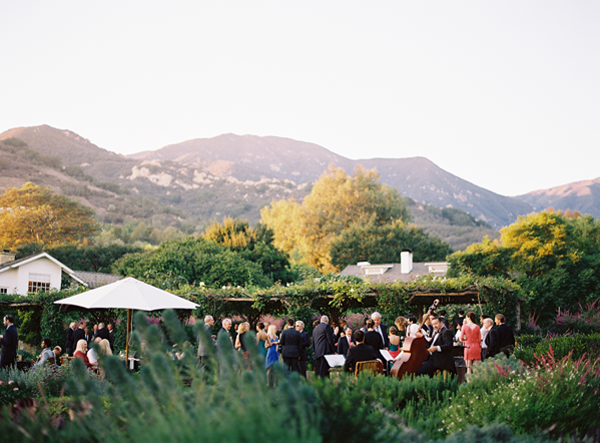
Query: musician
[[441, 354], [360, 352]]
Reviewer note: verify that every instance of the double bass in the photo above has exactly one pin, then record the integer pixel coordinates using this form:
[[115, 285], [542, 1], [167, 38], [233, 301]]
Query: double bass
[[414, 351]]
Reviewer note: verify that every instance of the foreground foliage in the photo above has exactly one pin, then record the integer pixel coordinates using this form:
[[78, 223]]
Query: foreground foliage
[[172, 399]]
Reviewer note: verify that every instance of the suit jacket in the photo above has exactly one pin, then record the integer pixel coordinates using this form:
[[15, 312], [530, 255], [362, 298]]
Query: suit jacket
[[374, 340], [102, 333], [224, 332], [78, 334], [458, 321], [305, 346], [88, 338], [204, 341], [492, 342], [343, 345], [290, 342], [111, 339], [9, 344], [323, 340], [69, 342], [385, 338], [505, 335], [360, 352], [444, 359]]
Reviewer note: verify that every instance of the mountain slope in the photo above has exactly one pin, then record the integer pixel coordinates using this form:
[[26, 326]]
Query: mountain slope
[[582, 196], [251, 158]]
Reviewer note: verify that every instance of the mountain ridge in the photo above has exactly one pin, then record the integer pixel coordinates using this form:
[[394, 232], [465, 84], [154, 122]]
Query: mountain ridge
[[204, 179]]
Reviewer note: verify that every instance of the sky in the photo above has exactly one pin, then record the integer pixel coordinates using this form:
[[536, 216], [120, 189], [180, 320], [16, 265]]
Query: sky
[[504, 94]]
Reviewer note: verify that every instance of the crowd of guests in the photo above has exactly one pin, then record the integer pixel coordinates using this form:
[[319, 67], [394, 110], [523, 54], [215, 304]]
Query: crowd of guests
[[373, 341], [480, 339]]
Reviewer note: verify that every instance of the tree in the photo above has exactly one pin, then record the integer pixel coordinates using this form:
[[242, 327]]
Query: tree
[[253, 244], [192, 261], [554, 257], [34, 214], [335, 202], [383, 244]]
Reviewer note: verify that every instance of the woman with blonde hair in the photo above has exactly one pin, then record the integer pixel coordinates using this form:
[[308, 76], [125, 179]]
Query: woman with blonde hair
[[402, 324], [105, 347], [272, 354], [80, 352]]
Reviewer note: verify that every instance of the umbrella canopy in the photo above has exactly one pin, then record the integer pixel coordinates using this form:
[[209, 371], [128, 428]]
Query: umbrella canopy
[[128, 293]]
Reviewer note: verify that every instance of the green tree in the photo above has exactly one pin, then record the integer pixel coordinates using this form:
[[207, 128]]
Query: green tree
[[554, 257], [33, 214], [383, 244], [253, 244], [335, 202], [192, 261]]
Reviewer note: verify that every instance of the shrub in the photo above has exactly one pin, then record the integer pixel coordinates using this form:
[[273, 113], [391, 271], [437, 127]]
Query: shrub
[[554, 395], [357, 409], [577, 345]]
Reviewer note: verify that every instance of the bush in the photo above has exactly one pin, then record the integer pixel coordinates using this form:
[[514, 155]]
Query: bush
[[358, 409], [575, 345], [554, 395]]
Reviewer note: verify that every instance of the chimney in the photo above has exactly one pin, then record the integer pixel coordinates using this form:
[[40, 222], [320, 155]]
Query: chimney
[[7, 256], [406, 263]]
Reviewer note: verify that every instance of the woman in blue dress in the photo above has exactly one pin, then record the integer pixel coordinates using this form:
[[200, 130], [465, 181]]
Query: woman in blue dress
[[272, 355]]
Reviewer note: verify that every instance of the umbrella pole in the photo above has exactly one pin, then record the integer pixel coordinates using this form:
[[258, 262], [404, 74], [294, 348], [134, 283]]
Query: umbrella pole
[[127, 338]]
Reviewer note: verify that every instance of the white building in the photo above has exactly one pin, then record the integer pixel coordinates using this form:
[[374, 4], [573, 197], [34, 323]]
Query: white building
[[31, 274]]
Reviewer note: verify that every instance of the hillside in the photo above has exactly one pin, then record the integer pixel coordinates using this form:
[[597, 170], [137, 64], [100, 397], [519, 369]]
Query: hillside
[[582, 196], [191, 183], [251, 158]]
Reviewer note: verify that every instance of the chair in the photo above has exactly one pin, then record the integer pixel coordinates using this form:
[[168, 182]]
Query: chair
[[374, 366]]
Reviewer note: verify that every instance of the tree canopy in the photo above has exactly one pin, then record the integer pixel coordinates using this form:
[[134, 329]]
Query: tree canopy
[[195, 262], [33, 214], [384, 243], [336, 202], [253, 244], [554, 257]]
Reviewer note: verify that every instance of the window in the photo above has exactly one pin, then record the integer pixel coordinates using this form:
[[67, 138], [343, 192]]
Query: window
[[3, 290], [38, 282]]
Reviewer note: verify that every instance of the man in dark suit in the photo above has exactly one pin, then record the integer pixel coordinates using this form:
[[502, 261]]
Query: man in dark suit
[[224, 332], [360, 352], [88, 337], [458, 321], [78, 334], [345, 342], [9, 343], [381, 329], [506, 337], [305, 345], [291, 342], [441, 350], [102, 332], [69, 347], [324, 344]]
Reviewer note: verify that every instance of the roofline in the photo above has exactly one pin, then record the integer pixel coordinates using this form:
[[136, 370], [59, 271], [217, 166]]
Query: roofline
[[52, 259]]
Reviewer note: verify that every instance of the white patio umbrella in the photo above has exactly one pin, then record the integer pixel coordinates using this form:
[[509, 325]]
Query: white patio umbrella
[[129, 294]]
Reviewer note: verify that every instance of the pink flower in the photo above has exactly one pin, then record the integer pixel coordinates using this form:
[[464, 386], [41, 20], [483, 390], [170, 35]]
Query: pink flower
[[10, 382], [15, 389], [1, 383]]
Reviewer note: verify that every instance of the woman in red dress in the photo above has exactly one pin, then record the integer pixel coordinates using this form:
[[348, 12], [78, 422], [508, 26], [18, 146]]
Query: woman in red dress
[[471, 340]]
